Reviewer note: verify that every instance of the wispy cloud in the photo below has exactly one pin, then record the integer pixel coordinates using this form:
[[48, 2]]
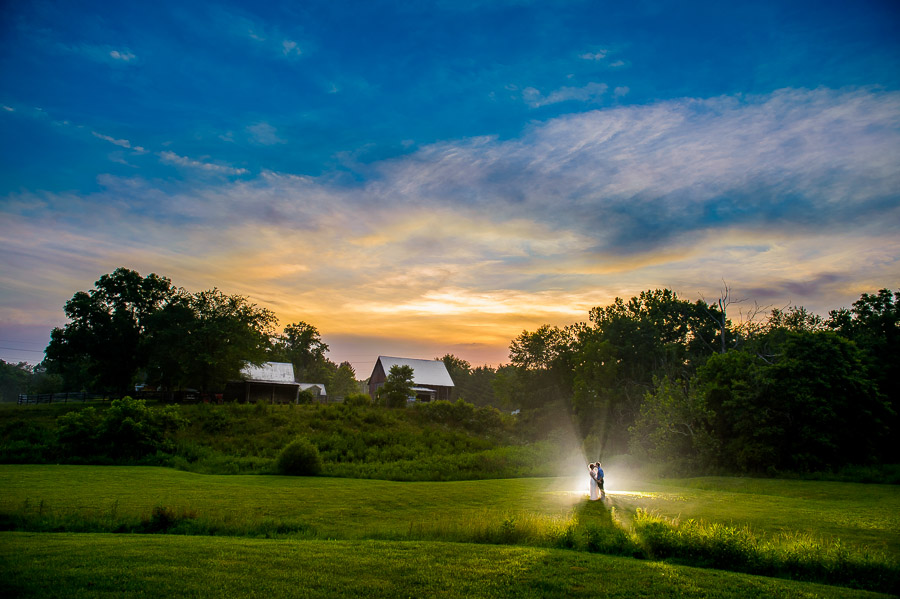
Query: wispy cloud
[[100, 53], [259, 33], [173, 158], [265, 134], [124, 56], [122, 143], [588, 93], [599, 55], [640, 176], [290, 48], [603, 56]]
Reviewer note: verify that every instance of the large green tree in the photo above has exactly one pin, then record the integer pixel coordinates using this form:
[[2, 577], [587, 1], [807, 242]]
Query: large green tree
[[343, 381], [542, 359], [873, 323], [675, 427], [130, 327], [203, 340], [102, 346], [472, 384], [603, 369], [809, 406], [627, 346], [14, 380], [301, 345]]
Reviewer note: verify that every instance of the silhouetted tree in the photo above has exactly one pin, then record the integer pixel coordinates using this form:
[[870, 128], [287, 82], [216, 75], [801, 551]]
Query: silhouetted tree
[[102, 346]]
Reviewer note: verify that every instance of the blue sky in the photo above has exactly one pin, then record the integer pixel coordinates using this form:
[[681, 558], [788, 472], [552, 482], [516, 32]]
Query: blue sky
[[432, 177]]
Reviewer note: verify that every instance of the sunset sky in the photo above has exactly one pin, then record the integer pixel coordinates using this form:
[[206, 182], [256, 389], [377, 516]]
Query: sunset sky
[[422, 178]]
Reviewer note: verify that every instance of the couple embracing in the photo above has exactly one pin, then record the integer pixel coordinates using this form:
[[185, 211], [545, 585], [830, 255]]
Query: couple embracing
[[596, 483]]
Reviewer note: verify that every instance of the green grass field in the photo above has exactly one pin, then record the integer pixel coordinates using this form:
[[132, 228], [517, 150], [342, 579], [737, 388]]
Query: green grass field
[[103, 565], [858, 514], [330, 508], [380, 530], [339, 508]]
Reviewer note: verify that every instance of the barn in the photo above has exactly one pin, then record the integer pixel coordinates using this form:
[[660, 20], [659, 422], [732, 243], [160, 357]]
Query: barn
[[272, 382], [431, 381]]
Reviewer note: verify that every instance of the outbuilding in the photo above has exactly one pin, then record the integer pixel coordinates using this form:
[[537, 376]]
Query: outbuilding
[[431, 380], [319, 393], [271, 381]]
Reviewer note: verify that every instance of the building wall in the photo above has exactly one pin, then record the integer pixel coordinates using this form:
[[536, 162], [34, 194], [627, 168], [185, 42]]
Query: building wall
[[252, 392], [441, 393], [376, 380]]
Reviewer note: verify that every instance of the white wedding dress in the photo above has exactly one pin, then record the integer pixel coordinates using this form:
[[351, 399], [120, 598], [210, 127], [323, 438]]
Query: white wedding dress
[[595, 489]]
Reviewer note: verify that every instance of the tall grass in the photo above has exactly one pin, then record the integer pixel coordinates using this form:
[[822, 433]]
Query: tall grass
[[40, 517], [432, 442], [571, 531], [788, 555]]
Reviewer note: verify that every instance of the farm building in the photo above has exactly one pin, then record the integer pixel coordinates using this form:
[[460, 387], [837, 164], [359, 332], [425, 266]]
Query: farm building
[[317, 389], [431, 381], [272, 381]]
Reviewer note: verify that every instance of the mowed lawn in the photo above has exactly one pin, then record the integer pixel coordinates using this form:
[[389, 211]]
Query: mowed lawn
[[332, 508], [859, 515], [106, 565]]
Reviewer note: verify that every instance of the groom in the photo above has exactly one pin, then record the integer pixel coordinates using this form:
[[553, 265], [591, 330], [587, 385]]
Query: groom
[[599, 475]]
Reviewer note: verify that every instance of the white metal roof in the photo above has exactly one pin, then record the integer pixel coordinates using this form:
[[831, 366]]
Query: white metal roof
[[270, 372], [305, 386], [425, 372]]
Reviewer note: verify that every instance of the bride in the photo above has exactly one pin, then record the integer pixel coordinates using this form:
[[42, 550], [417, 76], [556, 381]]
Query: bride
[[595, 488]]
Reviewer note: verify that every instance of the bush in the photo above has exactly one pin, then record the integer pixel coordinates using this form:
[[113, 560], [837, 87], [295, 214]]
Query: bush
[[358, 399], [79, 431], [128, 429], [299, 458], [462, 414]]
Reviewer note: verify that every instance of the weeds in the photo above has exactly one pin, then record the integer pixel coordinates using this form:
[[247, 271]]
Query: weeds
[[790, 555], [438, 441], [161, 520]]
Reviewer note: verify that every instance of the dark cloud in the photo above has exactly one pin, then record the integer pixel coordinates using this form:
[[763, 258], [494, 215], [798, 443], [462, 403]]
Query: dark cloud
[[800, 290]]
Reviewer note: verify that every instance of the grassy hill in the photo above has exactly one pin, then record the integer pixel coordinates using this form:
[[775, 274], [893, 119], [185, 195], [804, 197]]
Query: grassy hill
[[438, 441]]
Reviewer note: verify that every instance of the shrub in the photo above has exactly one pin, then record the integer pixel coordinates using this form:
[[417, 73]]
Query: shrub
[[79, 431], [358, 399], [165, 519], [128, 429], [462, 414], [299, 458]]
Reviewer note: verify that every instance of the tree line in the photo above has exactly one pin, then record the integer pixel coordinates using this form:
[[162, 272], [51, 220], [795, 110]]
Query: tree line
[[131, 329], [657, 376], [680, 383]]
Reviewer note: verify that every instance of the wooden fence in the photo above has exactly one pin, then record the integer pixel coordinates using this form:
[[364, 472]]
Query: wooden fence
[[190, 396], [86, 396], [81, 396]]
